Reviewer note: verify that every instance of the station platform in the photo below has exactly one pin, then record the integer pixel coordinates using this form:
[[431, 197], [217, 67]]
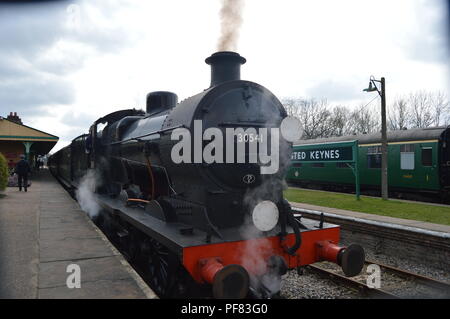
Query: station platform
[[42, 232], [373, 217]]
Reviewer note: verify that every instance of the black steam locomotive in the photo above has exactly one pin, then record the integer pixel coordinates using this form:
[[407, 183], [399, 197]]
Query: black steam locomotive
[[191, 210]]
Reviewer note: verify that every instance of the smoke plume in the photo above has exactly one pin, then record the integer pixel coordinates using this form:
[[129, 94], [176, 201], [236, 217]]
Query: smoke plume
[[231, 21], [85, 194]]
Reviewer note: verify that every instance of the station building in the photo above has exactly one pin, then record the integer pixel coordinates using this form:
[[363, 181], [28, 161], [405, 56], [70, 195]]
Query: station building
[[17, 139]]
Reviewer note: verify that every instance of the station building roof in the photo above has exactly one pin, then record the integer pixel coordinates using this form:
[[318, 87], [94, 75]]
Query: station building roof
[[18, 132]]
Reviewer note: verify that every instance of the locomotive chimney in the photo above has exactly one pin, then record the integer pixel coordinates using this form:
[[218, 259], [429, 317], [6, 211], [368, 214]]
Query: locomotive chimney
[[225, 66]]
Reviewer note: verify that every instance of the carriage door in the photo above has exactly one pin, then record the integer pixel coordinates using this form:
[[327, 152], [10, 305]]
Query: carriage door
[[444, 159], [428, 161]]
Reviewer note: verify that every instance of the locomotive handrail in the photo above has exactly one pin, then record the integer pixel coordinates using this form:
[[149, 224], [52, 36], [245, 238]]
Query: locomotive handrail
[[296, 227], [148, 134], [152, 177], [243, 124]]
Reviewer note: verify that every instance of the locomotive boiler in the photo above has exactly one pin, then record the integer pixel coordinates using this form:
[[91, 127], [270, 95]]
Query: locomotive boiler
[[194, 190]]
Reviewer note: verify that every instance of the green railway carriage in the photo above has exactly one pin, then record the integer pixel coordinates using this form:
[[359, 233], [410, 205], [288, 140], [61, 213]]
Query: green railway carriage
[[418, 164]]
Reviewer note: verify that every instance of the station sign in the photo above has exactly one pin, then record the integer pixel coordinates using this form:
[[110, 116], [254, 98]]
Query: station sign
[[331, 152], [339, 152]]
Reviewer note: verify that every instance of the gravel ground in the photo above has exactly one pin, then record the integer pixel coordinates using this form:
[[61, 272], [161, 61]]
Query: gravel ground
[[405, 264], [312, 286]]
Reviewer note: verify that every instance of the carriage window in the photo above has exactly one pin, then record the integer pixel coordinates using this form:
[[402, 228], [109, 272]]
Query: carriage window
[[374, 157], [407, 148], [407, 156], [318, 165], [342, 165], [427, 157], [407, 161], [297, 165]]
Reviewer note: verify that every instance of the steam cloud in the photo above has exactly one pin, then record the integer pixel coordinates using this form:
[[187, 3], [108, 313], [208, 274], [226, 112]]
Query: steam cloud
[[231, 21], [85, 194], [254, 258], [271, 188]]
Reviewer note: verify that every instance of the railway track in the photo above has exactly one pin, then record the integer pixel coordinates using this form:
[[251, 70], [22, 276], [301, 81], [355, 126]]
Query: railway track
[[420, 246], [395, 283]]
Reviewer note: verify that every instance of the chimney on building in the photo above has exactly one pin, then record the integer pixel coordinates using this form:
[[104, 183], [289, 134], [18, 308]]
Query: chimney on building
[[13, 117]]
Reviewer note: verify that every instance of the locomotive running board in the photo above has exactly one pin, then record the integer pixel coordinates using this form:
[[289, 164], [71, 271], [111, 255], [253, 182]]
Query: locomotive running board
[[172, 235]]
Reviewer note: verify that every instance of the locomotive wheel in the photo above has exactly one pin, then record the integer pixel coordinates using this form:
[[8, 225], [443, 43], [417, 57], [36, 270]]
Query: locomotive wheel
[[160, 267]]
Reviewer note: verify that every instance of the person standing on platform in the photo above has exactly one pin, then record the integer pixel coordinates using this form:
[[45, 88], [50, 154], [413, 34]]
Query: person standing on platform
[[22, 170]]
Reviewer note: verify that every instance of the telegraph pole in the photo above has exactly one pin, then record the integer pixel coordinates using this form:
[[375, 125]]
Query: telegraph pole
[[384, 148]]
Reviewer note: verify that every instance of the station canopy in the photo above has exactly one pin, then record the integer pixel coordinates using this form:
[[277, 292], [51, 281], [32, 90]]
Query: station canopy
[[12, 131]]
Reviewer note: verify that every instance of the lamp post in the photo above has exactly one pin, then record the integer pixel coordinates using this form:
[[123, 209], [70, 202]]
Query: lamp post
[[384, 150]]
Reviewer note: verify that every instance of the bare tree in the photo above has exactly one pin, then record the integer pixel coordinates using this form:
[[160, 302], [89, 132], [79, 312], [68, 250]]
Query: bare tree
[[318, 119], [314, 115], [291, 105], [398, 115], [364, 120], [339, 121], [440, 109], [421, 109]]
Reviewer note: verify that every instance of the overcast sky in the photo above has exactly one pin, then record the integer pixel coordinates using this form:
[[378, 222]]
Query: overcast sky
[[64, 64]]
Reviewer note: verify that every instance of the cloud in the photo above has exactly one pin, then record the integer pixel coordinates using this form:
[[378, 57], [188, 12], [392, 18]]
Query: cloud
[[63, 60], [78, 119], [26, 94], [26, 90], [43, 43], [428, 41], [11, 67], [28, 29], [335, 91]]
